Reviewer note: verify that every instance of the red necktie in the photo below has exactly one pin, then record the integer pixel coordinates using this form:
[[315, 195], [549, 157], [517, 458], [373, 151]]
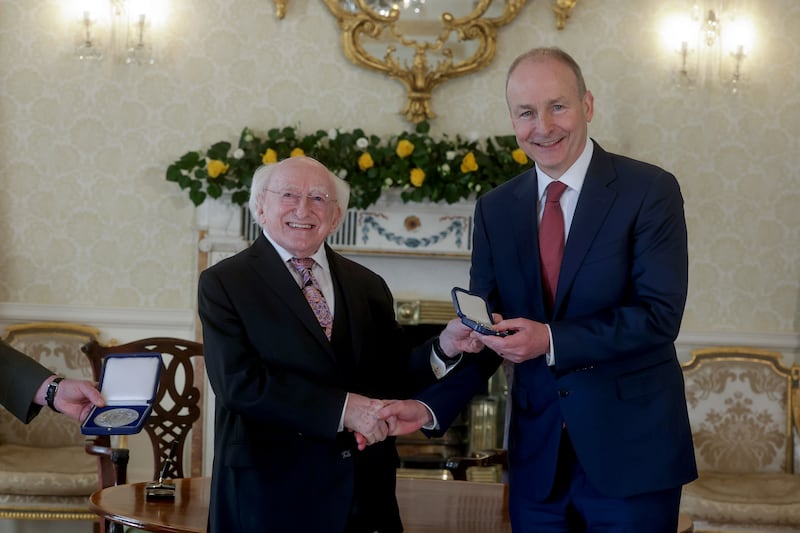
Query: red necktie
[[551, 239], [314, 294]]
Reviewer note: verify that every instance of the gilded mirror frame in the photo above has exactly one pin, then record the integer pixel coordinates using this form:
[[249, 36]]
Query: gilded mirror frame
[[419, 76]]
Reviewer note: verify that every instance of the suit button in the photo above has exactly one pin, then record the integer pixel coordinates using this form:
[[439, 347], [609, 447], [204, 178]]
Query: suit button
[[563, 393]]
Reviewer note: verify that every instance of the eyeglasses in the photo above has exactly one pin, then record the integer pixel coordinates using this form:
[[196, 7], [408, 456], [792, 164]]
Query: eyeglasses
[[293, 198]]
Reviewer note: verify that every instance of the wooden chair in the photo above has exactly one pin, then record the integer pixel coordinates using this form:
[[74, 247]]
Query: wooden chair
[[44, 472], [743, 409], [176, 409]]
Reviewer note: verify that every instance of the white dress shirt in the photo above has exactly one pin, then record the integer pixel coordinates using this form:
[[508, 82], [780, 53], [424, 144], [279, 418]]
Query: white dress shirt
[[573, 179]]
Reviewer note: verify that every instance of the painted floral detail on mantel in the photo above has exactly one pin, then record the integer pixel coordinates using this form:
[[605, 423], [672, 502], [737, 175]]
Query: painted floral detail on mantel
[[370, 221], [422, 167]]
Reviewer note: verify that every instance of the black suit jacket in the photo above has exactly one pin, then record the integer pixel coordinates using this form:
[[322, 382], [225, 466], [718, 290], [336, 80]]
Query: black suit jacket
[[279, 463], [621, 292], [20, 378]]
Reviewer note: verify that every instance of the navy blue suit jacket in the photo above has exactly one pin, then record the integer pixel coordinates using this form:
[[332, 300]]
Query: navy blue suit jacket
[[621, 292]]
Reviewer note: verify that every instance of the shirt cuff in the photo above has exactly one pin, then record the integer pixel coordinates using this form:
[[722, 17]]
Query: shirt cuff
[[441, 364], [344, 408], [550, 356], [433, 425]]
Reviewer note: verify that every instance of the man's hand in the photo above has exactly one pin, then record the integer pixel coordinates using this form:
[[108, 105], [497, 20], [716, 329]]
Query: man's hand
[[529, 340], [405, 416], [360, 417], [75, 398], [457, 338]]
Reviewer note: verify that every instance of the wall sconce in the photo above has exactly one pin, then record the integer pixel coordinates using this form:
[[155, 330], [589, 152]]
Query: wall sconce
[[121, 29], [711, 44]]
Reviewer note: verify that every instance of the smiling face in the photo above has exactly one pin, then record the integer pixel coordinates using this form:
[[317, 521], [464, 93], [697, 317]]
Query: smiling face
[[549, 115], [298, 208]]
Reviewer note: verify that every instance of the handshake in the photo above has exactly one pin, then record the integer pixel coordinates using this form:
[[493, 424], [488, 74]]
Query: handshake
[[373, 420]]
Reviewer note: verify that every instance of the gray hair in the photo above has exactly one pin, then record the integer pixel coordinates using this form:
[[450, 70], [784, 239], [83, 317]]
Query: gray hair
[[552, 52], [264, 173]]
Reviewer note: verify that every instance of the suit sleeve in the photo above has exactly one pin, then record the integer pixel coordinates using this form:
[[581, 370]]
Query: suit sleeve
[[640, 282], [20, 378]]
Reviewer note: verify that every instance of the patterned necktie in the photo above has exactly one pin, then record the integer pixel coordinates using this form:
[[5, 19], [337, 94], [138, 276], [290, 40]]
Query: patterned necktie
[[551, 240], [314, 294]]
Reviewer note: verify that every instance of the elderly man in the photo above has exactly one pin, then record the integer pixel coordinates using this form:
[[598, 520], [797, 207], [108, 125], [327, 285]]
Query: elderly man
[[298, 341]]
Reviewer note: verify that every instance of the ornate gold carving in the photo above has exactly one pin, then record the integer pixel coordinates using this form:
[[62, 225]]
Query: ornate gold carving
[[420, 77], [280, 8], [562, 9]]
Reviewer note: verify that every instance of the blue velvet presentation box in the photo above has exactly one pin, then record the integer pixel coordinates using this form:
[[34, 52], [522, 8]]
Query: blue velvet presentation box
[[129, 383]]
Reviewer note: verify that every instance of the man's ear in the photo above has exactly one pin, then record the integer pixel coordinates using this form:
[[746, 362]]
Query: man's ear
[[262, 217], [337, 217]]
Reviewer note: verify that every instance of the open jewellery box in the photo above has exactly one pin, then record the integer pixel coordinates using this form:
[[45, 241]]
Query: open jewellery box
[[129, 383]]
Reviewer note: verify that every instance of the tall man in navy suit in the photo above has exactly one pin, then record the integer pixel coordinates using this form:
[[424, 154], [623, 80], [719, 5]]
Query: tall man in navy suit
[[599, 434], [293, 389]]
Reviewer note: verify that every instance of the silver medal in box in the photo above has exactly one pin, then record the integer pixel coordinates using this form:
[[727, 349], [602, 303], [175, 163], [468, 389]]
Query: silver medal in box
[[128, 383]]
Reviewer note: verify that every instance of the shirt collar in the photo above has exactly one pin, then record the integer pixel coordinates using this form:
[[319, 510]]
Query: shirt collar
[[574, 176], [320, 257]]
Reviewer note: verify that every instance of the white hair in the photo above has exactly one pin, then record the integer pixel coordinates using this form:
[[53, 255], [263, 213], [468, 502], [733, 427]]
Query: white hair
[[264, 173]]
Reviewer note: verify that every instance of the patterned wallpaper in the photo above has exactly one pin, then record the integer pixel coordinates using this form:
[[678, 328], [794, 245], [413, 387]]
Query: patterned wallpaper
[[87, 219]]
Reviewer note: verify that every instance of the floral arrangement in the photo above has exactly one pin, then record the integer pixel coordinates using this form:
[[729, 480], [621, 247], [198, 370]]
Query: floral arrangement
[[423, 168]]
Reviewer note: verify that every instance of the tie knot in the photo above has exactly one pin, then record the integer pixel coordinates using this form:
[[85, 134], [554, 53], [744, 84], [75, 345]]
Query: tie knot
[[302, 263], [555, 190]]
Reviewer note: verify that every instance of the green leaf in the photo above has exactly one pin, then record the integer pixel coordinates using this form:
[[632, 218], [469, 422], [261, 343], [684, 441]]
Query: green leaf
[[219, 150], [188, 160], [174, 173], [214, 189], [197, 197]]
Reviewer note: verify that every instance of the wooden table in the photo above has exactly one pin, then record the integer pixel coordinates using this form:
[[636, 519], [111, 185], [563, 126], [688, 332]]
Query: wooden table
[[126, 504]]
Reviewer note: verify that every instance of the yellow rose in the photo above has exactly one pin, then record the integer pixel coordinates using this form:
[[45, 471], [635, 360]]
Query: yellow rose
[[270, 156], [468, 164], [404, 148], [519, 156], [216, 167], [365, 161], [417, 177], [297, 152]]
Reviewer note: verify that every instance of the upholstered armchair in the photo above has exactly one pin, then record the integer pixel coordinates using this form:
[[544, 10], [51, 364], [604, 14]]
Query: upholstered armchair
[[743, 409], [45, 472]]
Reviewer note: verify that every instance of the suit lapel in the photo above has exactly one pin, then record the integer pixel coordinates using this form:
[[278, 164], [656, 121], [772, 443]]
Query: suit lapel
[[353, 302], [593, 206], [268, 265], [522, 213]]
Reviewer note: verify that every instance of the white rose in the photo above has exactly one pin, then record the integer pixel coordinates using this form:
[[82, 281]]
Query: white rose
[[238, 153], [342, 173], [445, 169], [333, 133], [450, 155], [362, 143]]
